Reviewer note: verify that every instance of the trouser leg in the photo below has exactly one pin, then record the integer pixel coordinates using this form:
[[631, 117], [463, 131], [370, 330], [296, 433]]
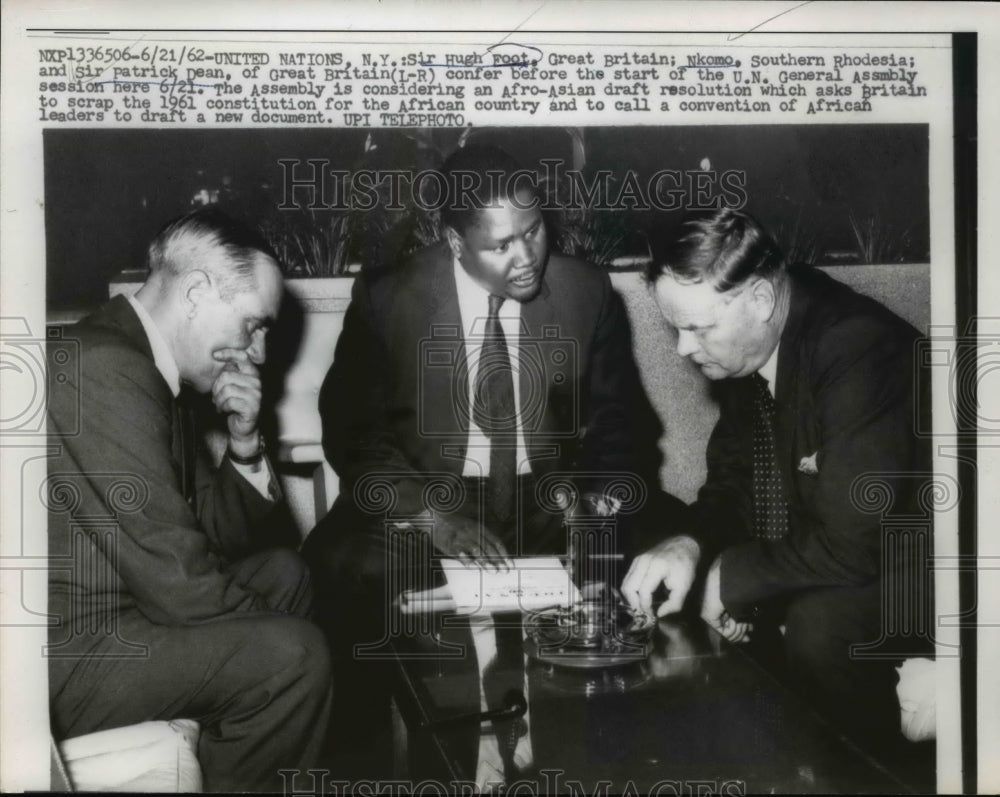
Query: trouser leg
[[259, 685], [281, 576], [353, 573], [856, 694]]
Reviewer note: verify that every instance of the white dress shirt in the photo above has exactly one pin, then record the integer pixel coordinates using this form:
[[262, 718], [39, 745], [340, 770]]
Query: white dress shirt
[[769, 371], [474, 307]]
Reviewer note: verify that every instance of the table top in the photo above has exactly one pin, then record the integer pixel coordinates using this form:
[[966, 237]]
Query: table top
[[696, 714]]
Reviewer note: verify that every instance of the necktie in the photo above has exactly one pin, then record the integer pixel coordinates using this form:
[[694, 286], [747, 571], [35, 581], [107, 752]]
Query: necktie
[[770, 509], [494, 412], [184, 435]]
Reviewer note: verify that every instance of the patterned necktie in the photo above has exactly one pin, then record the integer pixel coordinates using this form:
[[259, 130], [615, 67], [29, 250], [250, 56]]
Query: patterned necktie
[[770, 509], [494, 413]]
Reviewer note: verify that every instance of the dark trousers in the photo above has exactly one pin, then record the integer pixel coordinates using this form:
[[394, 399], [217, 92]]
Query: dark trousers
[[856, 694], [259, 684], [360, 564]]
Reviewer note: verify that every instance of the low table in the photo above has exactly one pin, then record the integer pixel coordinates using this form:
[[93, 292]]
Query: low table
[[698, 716]]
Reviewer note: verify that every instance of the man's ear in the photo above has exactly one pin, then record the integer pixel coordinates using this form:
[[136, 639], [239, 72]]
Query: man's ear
[[455, 242], [765, 299], [194, 286]]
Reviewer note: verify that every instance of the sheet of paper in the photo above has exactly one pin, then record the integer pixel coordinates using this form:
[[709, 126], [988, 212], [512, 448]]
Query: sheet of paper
[[532, 583]]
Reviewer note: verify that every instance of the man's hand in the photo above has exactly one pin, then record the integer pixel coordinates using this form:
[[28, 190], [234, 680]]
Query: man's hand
[[466, 540], [671, 563], [715, 614], [469, 542], [236, 394]]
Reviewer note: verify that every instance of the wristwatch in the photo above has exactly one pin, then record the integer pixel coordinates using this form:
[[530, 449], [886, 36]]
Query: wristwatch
[[254, 459]]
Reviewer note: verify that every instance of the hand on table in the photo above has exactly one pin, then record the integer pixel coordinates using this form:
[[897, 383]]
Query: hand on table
[[671, 563], [715, 614], [469, 542]]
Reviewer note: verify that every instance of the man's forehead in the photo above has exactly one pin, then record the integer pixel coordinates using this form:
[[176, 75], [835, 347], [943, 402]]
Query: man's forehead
[[687, 303], [271, 286], [506, 218], [264, 298]]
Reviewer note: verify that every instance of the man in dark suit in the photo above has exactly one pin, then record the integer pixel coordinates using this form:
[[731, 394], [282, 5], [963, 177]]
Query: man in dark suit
[[170, 598], [404, 398], [469, 385], [816, 389]]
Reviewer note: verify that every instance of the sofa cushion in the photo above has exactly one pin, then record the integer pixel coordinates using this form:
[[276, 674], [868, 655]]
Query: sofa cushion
[[917, 692], [148, 757]]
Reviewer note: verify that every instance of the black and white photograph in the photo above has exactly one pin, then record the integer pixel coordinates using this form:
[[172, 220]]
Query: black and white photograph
[[538, 407]]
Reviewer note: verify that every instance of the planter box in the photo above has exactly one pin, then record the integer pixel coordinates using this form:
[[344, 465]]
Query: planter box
[[323, 303]]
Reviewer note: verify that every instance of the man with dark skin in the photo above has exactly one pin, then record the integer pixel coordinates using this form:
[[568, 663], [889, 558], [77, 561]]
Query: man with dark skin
[[556, 345]]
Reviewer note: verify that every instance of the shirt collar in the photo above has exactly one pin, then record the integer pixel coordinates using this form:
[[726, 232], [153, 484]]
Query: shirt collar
[[464, 283], [473, 302], [769, 370], [162, 357]]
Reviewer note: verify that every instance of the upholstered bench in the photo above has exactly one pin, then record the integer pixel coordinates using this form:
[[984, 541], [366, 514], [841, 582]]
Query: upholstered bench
[[148, 757]]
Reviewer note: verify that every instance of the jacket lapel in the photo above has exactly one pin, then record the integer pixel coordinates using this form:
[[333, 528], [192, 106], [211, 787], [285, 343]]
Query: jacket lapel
[[440, 328], [119, 313], [536, 315], [792, 388]]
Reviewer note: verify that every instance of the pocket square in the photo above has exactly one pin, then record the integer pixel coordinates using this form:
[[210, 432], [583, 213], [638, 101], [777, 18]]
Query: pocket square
[[808, 466]]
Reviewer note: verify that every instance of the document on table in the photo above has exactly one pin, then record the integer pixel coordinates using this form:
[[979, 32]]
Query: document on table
[[532, 583]]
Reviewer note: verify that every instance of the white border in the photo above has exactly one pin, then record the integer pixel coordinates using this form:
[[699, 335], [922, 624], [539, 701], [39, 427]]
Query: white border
[[24, 760]]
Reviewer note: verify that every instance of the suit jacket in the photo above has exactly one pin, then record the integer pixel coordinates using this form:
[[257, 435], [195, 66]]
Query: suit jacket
[[845, 402], [121, 529], [395, 402]]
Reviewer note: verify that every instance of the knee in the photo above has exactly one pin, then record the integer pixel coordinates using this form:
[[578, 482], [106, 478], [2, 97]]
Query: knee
[[288, 567], [811, 640], [285, 581], [296, 649], [346, 561], [824, 625]]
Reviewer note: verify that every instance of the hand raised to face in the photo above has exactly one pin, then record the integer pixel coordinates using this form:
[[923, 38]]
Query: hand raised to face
[[236, 393]]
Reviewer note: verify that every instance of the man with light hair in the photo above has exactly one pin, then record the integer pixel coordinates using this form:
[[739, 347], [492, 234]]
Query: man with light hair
[[815, 385], [181, 602]]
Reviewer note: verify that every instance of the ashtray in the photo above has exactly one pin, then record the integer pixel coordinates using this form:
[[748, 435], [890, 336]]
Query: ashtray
[[589, 634]]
